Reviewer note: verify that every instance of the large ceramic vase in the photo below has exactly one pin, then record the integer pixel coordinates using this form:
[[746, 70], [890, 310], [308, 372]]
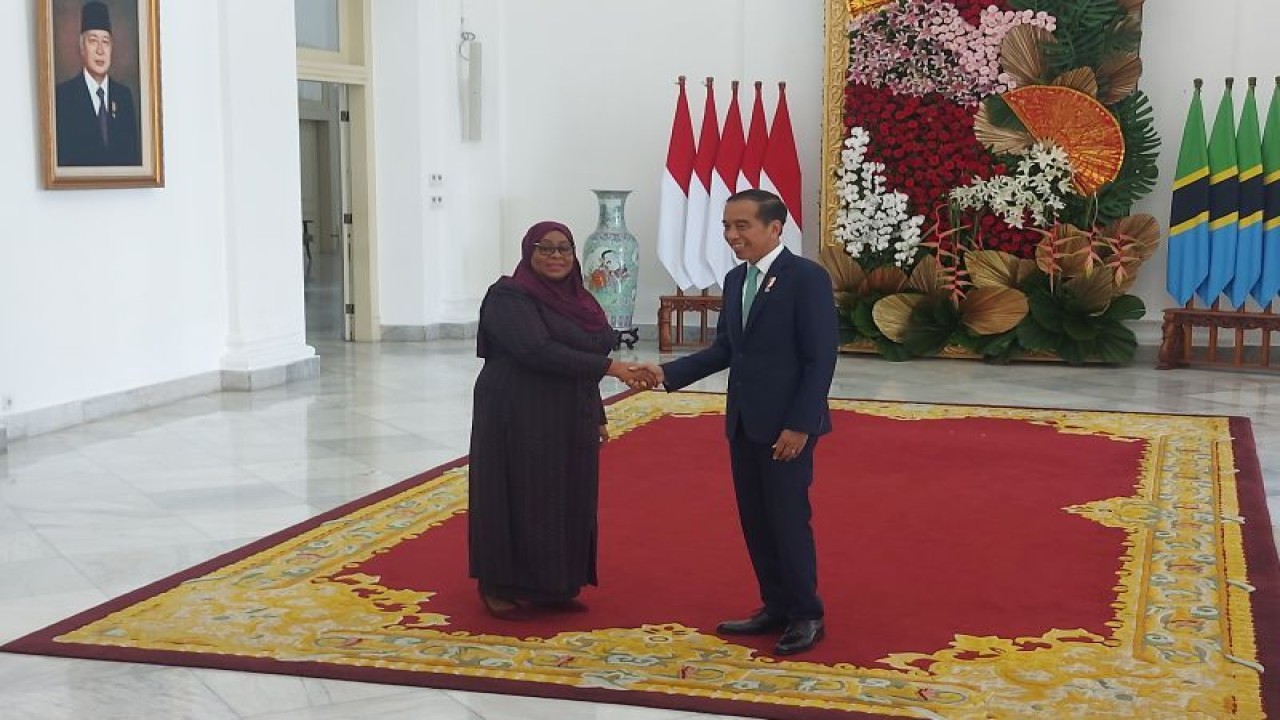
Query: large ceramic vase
[[611, 260]]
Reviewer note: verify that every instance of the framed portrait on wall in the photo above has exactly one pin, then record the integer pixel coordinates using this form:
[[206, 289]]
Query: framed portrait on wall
[[100, 109]]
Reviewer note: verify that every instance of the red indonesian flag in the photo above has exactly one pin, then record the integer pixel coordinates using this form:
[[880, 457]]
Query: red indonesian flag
[[757, 138], [695, 264], [673, 200], [781, 174], [723, 184]]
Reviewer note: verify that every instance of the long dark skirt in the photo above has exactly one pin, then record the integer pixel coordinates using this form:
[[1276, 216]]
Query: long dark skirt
[[534, 483]]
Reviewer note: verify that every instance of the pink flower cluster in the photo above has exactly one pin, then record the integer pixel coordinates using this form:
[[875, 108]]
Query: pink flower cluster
[[917, 47]]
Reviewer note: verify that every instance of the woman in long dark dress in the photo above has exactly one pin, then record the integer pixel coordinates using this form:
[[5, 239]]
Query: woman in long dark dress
[[537, 425]]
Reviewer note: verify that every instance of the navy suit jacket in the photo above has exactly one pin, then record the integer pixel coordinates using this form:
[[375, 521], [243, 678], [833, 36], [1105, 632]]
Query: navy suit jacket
[[781, 364], [78, 138]]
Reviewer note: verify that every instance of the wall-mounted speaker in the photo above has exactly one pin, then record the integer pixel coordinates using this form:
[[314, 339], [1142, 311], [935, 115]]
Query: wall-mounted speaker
[[470, 85]]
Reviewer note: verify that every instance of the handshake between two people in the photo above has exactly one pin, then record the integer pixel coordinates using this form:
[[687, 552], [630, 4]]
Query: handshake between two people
[[637, 376]]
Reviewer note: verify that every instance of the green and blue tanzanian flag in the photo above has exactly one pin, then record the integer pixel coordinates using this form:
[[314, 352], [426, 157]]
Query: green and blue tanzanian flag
[[1188, 263], [1224, 200], [1249, 235], [1269, 279]]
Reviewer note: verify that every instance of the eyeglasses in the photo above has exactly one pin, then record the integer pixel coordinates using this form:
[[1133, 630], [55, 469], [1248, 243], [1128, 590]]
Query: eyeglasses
[[550, 250]]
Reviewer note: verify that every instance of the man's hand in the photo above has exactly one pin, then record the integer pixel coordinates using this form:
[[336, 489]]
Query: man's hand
[[789, 445], [604, 433], [637, 377], [651, 372]]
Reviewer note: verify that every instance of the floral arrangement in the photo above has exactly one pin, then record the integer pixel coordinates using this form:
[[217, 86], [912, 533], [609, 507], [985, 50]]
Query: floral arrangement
[[927, 147], [1036, 189], [918, 48], [873, 223], [992, 153]]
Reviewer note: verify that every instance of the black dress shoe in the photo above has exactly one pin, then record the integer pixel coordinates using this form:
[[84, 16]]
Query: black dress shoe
[[762, 623], [801, 635]]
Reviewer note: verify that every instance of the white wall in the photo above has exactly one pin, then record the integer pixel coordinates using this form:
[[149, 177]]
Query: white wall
[[108, 290], [589, 91], [399, 129], [435, 260], [578, 94]]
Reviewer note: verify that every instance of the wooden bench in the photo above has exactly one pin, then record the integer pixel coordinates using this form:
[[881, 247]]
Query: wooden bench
[[678, 305], [1177, 346]]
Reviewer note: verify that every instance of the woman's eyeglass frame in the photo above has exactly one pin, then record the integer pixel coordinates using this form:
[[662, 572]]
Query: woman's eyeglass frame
[[553, 250]]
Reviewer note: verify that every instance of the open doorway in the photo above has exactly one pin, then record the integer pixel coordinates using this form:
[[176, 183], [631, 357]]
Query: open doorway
[[323, 134]]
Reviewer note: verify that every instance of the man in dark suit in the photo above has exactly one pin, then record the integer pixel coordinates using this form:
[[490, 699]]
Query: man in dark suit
[[777, 336], [95, 118]]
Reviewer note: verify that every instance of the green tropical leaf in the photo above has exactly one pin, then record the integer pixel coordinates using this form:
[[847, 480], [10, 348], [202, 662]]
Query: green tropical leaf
[[1116, 343], [1126, 307], [1139, 172], [891, 350], [945, 313], [999, 348], [1002, 115], [933, 323], [1086, 30], [1047, 310], [1037, 281], [1080, 329], [845, 331], [1073, 353], [863, 319], [969, 341], [1034, 336]]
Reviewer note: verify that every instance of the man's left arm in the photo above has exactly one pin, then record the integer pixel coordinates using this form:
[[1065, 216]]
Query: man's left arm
[[816, 347]]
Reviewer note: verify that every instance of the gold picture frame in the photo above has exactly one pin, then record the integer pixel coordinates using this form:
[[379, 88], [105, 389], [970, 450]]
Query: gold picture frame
[[100, 101], [839, 14]]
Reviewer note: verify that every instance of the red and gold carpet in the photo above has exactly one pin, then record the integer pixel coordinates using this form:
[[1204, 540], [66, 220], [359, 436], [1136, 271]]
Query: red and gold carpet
[[976, 562]]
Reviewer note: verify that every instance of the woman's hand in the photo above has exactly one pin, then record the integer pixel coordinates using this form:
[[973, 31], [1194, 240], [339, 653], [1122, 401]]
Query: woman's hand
[[604, 433], [634, 376]]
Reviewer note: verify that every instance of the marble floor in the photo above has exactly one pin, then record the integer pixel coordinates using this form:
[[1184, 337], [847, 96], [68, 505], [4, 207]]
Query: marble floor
[[323, 296], [96, 510]]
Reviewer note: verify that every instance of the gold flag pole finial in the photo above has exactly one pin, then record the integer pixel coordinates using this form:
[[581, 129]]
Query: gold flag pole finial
[[1253, 82], [680, 81], [1200, 82], [710, 81], [1231, 83]]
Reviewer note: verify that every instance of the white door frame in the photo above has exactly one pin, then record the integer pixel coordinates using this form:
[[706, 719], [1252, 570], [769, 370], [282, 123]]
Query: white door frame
[[349, 66]]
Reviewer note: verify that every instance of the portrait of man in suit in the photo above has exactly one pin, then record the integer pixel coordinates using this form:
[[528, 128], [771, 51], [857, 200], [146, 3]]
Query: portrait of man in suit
[[96, 119]]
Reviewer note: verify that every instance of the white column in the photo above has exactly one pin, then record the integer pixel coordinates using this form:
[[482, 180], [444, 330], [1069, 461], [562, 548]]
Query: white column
[[266, 315]]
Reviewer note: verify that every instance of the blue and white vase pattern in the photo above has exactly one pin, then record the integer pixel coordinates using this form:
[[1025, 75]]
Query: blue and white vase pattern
[[611, 260]]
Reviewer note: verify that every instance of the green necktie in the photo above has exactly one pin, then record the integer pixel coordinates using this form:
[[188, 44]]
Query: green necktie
[[749, 295]]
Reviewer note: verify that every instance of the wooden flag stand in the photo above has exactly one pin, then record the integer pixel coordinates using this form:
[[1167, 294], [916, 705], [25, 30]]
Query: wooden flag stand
[[703, 304], [1178, 341]]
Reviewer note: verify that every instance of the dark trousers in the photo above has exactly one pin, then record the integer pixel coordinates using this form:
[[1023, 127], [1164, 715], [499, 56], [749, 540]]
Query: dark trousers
[[773, 507]]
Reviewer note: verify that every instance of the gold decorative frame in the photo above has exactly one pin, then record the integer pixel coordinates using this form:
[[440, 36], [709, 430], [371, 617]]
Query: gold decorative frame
[[839, 13], [135, 65]]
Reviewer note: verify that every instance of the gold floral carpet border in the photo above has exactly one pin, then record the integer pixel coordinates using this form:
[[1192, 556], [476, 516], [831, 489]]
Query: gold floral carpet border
[[1188, 610]]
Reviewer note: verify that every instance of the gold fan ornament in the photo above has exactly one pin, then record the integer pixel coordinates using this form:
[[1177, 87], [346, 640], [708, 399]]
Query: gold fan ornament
[[1077, 123]]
